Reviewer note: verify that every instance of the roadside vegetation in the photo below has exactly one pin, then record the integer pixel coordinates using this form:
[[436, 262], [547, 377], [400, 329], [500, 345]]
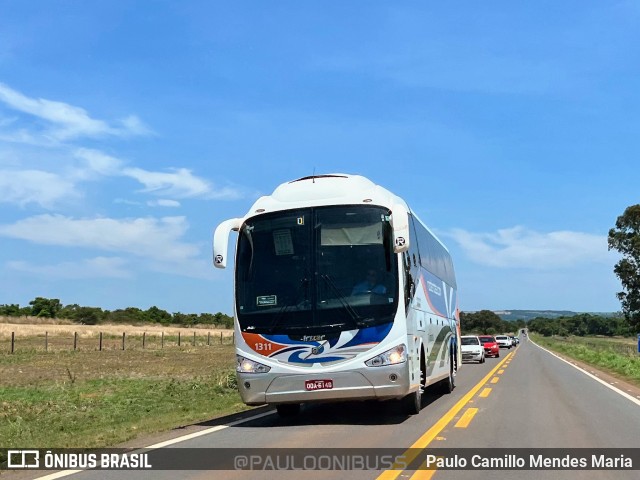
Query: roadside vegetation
[[68, 397], [607, 343], [51, 308], [486, 322], [581, 325], [97, 399], [614, 355]]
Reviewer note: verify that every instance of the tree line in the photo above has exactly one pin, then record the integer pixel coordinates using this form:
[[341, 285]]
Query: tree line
[[53, 308], [582, 325], [489, 323]]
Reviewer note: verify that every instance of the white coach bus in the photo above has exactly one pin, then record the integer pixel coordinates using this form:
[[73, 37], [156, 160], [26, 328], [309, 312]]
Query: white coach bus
[[341, 293]]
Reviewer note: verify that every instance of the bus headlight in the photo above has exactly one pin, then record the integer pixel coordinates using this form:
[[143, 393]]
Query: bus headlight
[[397, 354], [244, 365]]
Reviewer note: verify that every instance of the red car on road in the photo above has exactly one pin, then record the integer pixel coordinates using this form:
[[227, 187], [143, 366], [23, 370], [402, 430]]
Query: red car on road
[[491, 347]]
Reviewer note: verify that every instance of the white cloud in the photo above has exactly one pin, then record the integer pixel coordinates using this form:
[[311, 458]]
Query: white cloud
[[134, 126], [30, 183], [151, 238], [179, 183], [163, 202], [518, 247], [67, 120], [98, 267], [35, 186], [98, 162]]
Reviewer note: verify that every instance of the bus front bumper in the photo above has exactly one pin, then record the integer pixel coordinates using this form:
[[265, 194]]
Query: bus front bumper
[[375, 383]]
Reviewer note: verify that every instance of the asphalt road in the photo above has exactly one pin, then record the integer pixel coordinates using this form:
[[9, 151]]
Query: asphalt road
[[525, 399]]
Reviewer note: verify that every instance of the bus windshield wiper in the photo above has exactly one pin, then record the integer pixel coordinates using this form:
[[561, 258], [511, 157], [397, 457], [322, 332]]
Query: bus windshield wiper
[[357, 321], [304, 283], [278, 317]]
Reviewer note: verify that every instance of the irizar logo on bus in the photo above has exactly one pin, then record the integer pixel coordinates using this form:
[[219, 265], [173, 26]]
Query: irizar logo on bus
[[434, 288], [313, 338]]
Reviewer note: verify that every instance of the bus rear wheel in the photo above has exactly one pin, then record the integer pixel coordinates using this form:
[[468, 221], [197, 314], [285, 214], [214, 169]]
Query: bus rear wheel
[[449, 383]]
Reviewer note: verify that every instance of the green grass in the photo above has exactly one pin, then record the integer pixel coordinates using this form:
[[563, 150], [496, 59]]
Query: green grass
[[100, 413], [100, 399], [598, 352]]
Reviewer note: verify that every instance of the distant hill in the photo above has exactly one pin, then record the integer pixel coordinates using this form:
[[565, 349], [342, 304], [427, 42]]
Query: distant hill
[[527, 315]]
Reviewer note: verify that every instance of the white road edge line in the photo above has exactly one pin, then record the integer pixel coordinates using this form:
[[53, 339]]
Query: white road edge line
[[617, 390], [173, 441]]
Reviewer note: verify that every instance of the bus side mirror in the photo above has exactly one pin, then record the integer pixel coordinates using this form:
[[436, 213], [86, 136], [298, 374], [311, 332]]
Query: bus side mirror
[[221, 241], [400, 224]]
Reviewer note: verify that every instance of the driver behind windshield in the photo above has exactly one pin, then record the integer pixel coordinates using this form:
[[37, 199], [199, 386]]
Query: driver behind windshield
[[371, 284]]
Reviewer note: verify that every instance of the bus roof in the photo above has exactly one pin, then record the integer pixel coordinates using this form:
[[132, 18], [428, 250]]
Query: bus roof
[[329, 189]]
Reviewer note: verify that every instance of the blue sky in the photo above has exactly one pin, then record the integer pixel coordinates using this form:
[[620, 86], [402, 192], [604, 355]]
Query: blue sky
[[129, 130]]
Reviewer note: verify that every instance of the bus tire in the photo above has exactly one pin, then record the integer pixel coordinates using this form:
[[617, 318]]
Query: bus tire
[[412, 403], [449, 383], [288, 410]]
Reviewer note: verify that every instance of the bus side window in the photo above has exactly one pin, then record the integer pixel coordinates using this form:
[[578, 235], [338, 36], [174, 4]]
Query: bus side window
[[408, 279]]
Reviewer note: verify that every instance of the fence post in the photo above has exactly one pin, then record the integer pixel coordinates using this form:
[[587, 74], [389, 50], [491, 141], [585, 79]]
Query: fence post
[[162, 340], [220, 338], [13, 341], [46, 341], [144, 334], [194, 339], [178, 338], [208, 338], [75, 341], [123, 336]]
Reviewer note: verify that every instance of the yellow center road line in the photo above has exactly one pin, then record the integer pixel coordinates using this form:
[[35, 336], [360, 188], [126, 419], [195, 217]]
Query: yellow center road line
[[500, 372], [485, 393], [423, 473], [433, 432], [495, 379], [466, 418]]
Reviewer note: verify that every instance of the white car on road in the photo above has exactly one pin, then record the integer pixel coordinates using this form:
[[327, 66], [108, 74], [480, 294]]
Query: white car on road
[[503, 341], [472, 349]]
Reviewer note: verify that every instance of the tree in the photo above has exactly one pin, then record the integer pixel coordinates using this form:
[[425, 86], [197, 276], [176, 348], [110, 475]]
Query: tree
[[12, 310], [157, 315], [625, 238], [130, 315], [45, 307], [484, 321], [83, 315]]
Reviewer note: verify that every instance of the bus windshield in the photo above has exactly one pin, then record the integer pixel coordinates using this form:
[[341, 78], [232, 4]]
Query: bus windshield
[[315, 270]]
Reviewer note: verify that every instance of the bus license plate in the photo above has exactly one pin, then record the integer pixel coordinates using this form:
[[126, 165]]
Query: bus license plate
[[318, 384]]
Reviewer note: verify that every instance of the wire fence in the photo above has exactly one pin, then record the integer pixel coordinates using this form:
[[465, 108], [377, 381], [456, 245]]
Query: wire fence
[[108, 341]]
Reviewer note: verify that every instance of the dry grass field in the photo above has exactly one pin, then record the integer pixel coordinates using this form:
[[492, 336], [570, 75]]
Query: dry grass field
[[30, 326], [61, 336], [63, 397]]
